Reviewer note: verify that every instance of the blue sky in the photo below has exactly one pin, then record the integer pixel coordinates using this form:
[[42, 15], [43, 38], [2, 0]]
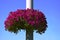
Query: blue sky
[[51, 9]]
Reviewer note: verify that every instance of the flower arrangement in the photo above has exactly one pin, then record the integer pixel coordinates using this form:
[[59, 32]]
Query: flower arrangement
[[28, 19]]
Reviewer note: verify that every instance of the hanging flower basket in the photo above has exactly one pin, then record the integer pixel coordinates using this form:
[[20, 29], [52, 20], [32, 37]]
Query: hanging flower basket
[[28, 19]]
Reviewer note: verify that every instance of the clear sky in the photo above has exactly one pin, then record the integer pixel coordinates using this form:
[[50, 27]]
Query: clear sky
[[51, 9]]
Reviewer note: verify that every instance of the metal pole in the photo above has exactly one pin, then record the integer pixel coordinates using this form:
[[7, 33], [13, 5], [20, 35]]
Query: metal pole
[[29, 34], [29, 4]]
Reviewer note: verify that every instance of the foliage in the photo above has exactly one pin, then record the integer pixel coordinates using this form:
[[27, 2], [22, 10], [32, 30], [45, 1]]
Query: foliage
[[28, 19]]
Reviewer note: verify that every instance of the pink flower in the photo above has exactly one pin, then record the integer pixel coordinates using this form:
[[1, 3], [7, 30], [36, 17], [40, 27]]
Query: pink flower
[[37, 22], [29, 22], [20, 18], [32, 23]]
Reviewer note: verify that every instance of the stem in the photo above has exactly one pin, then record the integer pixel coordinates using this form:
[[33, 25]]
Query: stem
[[29, 35]]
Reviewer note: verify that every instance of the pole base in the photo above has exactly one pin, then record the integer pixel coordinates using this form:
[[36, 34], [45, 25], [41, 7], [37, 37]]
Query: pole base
[[29, 35]]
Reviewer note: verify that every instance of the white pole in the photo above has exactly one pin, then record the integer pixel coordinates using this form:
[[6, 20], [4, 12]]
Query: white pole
[[29, 4]]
